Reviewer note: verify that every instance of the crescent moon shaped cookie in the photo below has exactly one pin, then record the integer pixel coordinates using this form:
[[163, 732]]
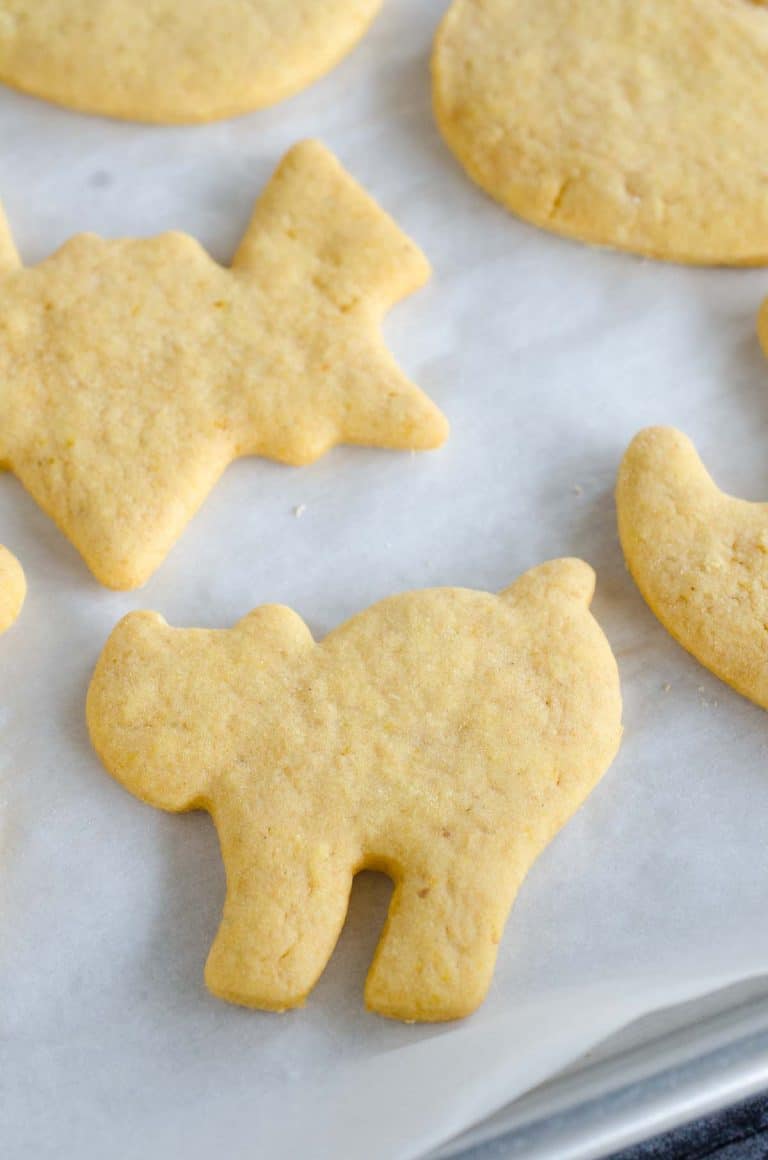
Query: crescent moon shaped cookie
[[699, 557], [133, 372], [13, 589], [174, 60], [638, 124], [442, 736]]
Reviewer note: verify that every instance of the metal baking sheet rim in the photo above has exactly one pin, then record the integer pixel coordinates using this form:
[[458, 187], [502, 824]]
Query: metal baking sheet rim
[[633, 1094]]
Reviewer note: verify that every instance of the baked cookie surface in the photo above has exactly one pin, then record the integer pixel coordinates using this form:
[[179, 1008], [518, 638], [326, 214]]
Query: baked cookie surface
[[174, 60], [620, 123], [13, 589], [442, 736], [133, 372], [699, 557], [762, 327]]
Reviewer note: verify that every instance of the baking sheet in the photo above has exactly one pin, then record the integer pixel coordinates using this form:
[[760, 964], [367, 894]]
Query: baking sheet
[[666, 1069], [547, 358]]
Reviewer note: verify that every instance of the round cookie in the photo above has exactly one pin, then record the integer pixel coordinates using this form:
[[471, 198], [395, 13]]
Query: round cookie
[[165, 61], [621, 123], [13, 589]]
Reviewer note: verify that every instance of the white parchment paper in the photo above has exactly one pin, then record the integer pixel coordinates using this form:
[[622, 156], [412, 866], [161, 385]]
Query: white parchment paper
[[547, 358]]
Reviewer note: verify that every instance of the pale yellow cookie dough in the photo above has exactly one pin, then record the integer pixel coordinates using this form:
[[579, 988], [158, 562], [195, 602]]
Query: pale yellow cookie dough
[[699, 557], [762, 327], [442, 736], [13, 589], [174, 60], [133, 372], [640, 125]]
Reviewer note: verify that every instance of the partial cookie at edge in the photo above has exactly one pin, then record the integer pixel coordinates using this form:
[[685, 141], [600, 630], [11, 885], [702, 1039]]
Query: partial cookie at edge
[[638, 126], [13, 589], [698, 556], [170, 62]]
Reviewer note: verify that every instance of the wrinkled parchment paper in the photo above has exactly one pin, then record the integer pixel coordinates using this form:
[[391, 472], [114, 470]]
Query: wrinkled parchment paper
[[547, 358]]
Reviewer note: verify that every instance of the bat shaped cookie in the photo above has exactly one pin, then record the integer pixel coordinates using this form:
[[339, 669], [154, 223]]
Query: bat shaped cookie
[[441, 736], [133, 372], [13, 589], [699, 557]]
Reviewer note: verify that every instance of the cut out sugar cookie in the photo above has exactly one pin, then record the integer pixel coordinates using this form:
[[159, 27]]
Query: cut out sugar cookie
[[166, 61], [699, 557], [762, 327], [441, 736], [639, 125], [13, 589], [133, 372]]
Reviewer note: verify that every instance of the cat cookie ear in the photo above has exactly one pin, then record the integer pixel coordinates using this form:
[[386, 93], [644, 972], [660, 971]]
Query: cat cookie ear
[[277, 629], [9, 258], [567, 579]]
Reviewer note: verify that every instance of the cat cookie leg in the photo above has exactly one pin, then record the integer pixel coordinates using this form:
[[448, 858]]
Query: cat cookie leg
[[284, 911], [438, 950]]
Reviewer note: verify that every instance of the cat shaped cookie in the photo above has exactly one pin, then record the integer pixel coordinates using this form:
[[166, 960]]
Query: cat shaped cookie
[[133, 372], [441, 736]]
